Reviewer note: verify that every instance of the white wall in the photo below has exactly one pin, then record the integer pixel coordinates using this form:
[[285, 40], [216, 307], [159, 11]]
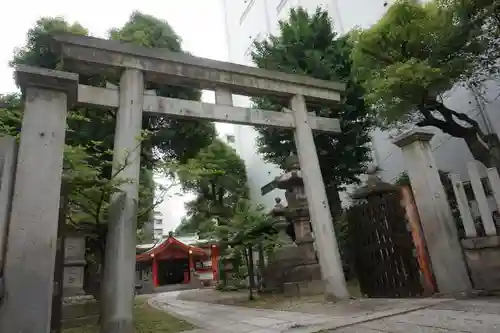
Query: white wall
[[261, 18], [451, 154], [247, 20]]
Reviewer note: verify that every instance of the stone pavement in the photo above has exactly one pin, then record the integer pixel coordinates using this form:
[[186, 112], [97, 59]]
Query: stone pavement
[[455, 316], [225, 318], [412, 315]]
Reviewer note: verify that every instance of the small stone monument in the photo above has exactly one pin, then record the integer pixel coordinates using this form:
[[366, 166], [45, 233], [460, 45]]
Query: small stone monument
[[74, 264], [78, 308]]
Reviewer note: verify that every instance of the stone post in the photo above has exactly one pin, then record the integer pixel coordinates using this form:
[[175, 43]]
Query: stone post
[[435, 215], [326, 243], [31, 249], [119, 268], [74, 264]]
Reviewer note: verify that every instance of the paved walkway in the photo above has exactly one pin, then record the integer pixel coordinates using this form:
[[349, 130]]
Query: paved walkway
[[224, 318], [471, 316], [408, 316]]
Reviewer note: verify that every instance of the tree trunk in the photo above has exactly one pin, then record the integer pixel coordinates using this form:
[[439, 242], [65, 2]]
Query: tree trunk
[[251, 273], [485, 148], [488, 155], [336, 211], [334, 202], [262, 266], [94, 269]]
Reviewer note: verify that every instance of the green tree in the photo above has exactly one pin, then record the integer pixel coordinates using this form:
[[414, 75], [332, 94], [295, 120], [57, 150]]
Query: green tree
[[217, 177], [171, 139], [90, 133], [166, 139], [250, 228], [307, 45], [86, 186], [417, 52]]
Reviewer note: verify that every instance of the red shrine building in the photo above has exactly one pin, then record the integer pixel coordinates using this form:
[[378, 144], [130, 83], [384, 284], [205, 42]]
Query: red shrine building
[[175, 263]]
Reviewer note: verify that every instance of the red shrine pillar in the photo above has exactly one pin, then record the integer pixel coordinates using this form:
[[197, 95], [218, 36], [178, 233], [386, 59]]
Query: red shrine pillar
[[214, 253], [154, 271], [187, 277]]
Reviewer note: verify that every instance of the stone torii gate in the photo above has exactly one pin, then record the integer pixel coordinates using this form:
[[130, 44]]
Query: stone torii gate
[[32, 237]]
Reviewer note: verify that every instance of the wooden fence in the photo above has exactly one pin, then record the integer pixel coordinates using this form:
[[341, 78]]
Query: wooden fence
[[483, 192]]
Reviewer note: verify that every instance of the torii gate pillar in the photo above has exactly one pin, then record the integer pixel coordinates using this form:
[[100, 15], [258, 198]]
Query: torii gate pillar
[[321, 218]]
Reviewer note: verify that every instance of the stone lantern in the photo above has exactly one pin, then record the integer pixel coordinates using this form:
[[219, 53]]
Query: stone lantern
[[298, 210], [281, 224], [301, 273]]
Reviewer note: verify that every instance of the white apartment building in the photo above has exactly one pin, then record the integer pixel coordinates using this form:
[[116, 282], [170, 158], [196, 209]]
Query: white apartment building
[[250, 20], [158, 230]]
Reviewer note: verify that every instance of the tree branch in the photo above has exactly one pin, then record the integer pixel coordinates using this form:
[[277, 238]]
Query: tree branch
[[159, 201], [466, 29], [99, 207], [83, 207], [474, 124], [448, 125]]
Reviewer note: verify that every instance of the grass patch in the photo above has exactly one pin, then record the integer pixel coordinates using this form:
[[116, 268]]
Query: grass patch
[[147, 320], [281, 302]]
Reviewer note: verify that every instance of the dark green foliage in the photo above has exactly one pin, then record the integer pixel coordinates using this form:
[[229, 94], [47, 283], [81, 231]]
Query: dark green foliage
[[250, 228], [411, 58], [170, 138], [307, 45], [217, 176], [90, 132]]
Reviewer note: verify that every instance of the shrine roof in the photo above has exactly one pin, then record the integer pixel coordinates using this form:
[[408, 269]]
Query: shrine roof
[[163, 246]]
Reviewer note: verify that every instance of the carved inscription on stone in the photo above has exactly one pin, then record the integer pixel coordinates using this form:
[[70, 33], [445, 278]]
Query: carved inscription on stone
[[73, 277], [74, 248]]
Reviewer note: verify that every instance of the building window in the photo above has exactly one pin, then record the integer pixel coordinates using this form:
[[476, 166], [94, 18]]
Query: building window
[[281, 5], [230, 138], [247, 10], [158, 234], [249, 50]]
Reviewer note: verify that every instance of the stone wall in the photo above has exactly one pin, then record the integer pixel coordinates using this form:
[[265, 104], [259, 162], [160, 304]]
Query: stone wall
[[483, 258], [80, 311]]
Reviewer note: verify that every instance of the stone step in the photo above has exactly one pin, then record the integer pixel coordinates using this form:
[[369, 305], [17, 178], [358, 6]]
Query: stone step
[[80, 322], [75, 311], [304, 288]]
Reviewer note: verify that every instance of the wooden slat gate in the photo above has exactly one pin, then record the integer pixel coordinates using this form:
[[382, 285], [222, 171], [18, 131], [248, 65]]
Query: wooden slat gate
[[383, 249]]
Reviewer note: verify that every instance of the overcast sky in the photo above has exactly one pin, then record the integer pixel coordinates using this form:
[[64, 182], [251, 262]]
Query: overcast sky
[[200, 23]]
